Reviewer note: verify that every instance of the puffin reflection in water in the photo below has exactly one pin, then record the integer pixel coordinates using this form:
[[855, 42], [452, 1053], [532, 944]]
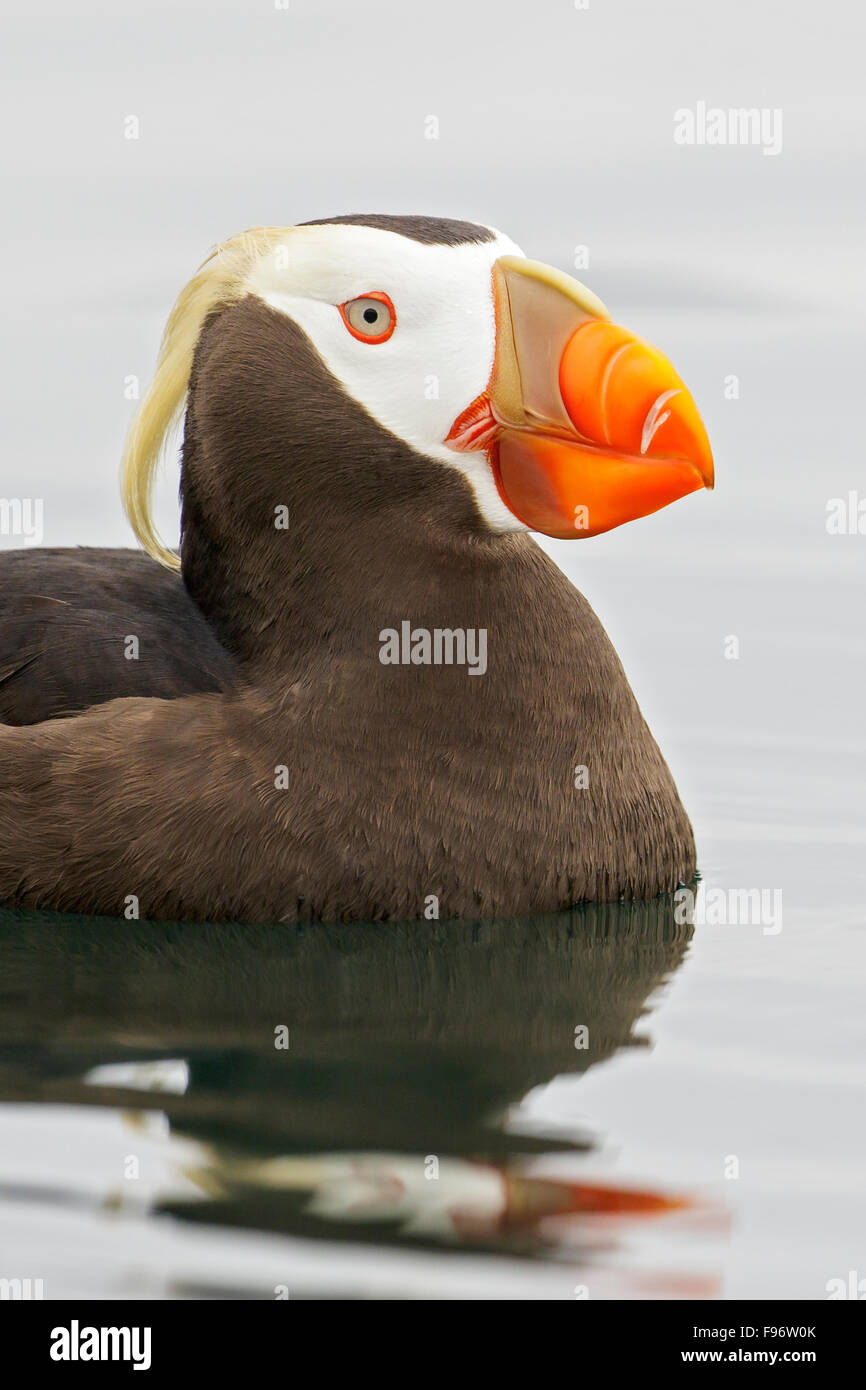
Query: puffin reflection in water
[[378, 411]]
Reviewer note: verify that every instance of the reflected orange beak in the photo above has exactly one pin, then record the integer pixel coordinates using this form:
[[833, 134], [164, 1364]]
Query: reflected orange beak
[[586, 426]]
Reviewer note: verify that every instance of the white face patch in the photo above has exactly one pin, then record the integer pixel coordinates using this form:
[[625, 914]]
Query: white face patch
[[440, 355]]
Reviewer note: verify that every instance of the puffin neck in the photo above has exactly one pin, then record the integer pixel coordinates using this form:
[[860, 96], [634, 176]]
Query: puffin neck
[[276, 599], [304, 521]]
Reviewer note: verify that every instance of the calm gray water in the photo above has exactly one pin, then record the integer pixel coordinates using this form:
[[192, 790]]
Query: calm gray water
[[709, 1141]]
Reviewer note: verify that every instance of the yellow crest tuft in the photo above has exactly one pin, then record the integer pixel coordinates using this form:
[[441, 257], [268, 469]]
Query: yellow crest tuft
[[221, 280]]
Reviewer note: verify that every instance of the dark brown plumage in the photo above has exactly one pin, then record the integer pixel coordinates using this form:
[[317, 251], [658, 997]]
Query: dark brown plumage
[[430, 231], [66, 617], [320, 783]]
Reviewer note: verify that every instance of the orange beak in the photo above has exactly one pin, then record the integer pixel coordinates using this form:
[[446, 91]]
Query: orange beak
[[586, 426]]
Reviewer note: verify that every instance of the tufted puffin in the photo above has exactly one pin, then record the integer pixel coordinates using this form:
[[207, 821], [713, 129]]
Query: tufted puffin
[[367, 692]]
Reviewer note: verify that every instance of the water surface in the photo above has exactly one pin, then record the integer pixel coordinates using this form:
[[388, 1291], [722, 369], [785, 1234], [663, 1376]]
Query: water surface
[[217, 1111]]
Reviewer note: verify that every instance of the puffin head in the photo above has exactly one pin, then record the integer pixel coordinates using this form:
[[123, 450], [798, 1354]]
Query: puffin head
[[413, 354]]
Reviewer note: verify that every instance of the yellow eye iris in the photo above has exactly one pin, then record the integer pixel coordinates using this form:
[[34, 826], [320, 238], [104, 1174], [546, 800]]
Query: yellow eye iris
[[370, 317]]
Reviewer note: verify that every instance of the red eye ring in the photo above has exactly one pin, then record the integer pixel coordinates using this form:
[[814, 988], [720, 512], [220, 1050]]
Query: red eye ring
[[358, 332]]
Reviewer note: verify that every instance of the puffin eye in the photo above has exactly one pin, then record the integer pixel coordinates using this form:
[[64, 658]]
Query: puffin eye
[[370, 317]]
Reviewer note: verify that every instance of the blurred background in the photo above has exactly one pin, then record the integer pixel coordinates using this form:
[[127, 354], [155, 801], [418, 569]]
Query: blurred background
[[555, 123]]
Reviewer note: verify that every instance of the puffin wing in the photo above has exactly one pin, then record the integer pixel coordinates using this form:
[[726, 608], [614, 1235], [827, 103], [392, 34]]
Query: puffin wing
[[80, 627]]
